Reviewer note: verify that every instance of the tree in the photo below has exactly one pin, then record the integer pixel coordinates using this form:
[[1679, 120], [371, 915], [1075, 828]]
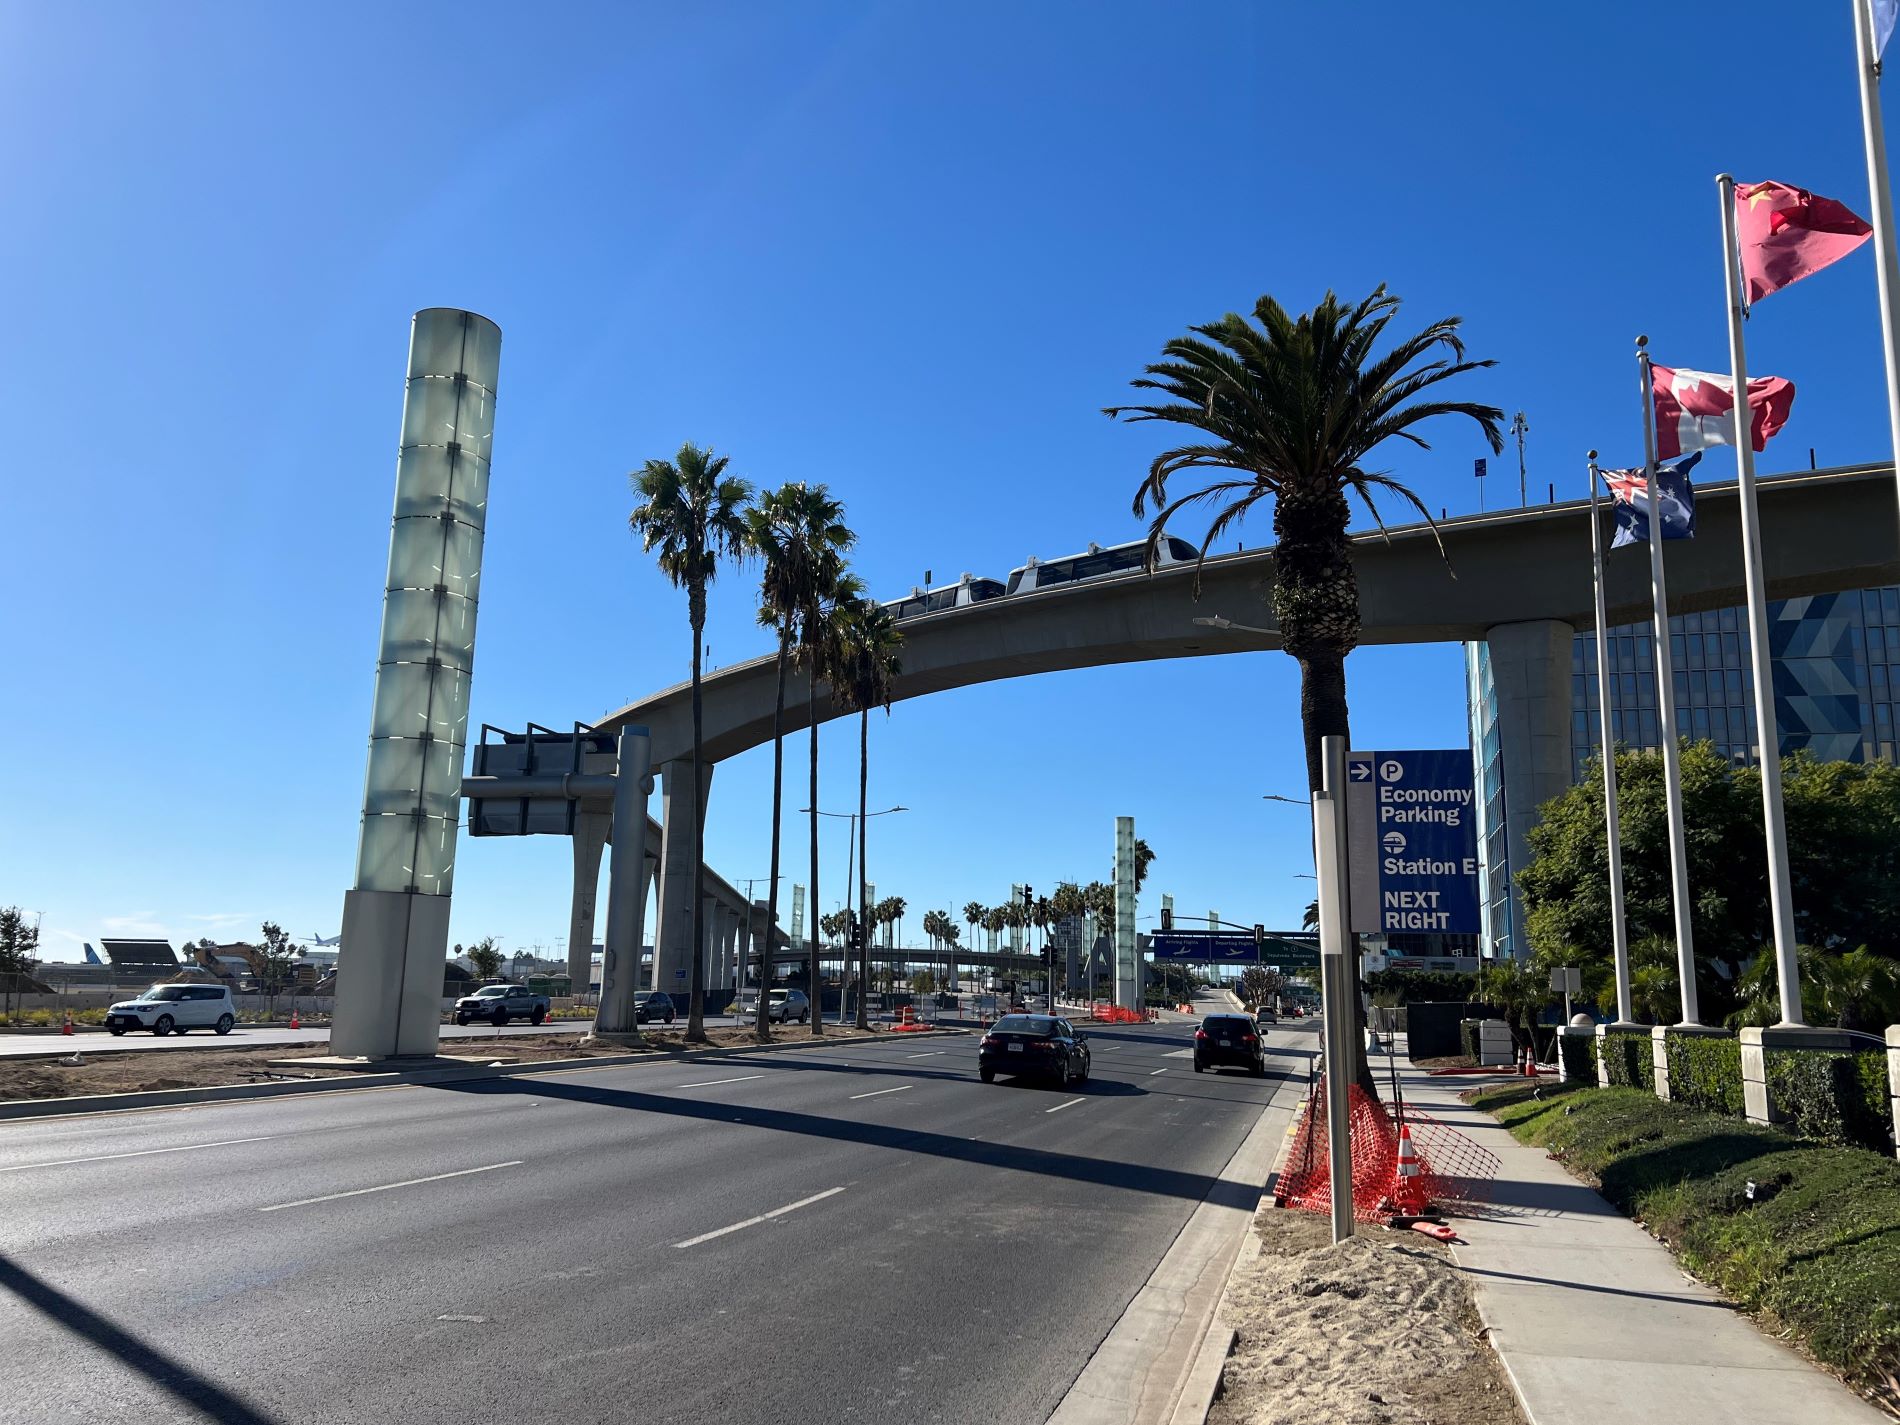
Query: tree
[[1515, 989], [1144, 858], [798, 532], [693, 513], [1844, 861], [19, 943], [1259, 985], [1309, 918], [274, 956], [484, 958], [867, 674], [1289, 410], [820, 651]]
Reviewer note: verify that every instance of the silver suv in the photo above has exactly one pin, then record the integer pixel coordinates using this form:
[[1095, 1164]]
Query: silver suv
[[787, 1005], [165, 1008]]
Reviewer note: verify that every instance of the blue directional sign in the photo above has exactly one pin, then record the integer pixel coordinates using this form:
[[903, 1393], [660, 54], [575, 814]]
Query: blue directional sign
[[1215, 949], [1412, 818]]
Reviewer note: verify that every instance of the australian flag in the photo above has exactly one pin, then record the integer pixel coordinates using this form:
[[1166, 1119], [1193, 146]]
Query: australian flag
[[1673, 490]]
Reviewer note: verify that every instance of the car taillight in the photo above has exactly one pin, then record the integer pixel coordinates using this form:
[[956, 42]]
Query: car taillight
[[1248, 1039], [988, 1041], [1042, 1043], [1200, 1034]]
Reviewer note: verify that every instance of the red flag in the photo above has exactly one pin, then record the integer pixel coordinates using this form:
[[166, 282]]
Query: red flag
[[1786, 233], [1695, 409]]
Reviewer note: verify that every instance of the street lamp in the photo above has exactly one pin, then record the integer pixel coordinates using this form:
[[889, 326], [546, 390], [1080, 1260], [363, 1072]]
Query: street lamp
[[861, 912], [1290, 801]]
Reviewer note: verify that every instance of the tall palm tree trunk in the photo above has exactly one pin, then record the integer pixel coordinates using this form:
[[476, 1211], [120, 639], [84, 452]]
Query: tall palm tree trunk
[[696, 997], [864, 948], [816, 989], [761, 1025], [1316, 600]]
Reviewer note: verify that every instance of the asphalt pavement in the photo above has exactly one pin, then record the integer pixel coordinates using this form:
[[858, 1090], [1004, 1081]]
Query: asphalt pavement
[[859, 1233]]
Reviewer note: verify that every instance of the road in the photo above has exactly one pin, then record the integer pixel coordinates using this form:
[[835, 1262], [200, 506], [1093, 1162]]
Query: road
[[866, 1233], [259, 1037]]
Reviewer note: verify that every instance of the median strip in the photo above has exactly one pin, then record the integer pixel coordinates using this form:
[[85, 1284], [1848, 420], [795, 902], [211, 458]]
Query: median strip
[[874, 1093], [141, 1153], [389, 1187], [762, 1217], [1070, 1104]]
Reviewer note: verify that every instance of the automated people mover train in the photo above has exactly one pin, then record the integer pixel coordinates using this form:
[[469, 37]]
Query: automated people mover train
[[1093, 563]]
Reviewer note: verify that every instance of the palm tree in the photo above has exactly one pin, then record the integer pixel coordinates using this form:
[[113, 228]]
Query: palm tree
[[798, 531], [820, 650], [866, 675], [1144, 858], [694, 514], [1290, 408], [993, 921], [973, 912]]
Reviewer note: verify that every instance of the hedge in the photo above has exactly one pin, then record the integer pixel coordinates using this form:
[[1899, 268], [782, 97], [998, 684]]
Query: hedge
[[1705, 1071], [1836, 1097], [1815, 1250], [1628, 1059]]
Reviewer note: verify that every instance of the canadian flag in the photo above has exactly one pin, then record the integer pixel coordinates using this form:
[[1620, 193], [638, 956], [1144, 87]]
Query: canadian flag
[[1695, 409]]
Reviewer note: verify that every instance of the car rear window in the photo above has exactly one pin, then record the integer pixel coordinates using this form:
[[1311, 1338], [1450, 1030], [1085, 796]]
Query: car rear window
[[1225, 1023], [1025, 1024]]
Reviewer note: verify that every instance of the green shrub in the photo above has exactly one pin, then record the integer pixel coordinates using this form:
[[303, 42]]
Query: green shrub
[[1705, 1071], [1628, 1058], [1836, 1097], [1580, 1057], [1815, 1251], [1468, 1038]]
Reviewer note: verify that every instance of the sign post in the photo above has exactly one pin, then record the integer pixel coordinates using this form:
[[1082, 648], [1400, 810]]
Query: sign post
[[1330, 823]]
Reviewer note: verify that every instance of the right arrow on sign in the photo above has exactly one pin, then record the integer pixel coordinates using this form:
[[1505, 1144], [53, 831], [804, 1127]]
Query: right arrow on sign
[[1359, 771]]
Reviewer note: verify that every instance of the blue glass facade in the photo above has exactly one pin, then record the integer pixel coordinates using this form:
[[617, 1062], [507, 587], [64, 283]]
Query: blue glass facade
[[1836, 664]]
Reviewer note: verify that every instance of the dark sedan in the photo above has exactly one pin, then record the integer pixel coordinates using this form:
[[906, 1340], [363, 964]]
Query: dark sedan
[[1232, 1041], [1034, 1045]]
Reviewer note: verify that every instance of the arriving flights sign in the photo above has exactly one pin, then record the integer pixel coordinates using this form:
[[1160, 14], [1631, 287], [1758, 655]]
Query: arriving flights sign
[[1412, 821]]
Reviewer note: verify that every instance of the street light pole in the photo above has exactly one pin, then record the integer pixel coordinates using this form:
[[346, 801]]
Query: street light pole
[[858, 912]]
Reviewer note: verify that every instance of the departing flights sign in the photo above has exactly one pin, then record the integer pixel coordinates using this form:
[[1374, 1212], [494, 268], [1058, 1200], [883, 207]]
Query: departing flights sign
[[1413, 823]]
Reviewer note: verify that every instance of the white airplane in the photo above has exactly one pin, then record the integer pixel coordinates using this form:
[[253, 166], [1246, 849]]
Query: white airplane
[[319, 942]]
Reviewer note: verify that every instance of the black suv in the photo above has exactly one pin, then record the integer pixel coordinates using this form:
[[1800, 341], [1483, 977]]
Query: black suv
[[1230, 1040], [654, 1004]]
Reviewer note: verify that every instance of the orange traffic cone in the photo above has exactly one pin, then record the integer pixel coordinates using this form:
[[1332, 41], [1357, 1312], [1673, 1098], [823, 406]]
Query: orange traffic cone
[[1530, 1064], [295, 1023], [67, 1027], [1408, 1198]]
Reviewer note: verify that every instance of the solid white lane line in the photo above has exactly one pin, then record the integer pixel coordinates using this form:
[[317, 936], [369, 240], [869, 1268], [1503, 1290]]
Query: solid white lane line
[[142, 1153], [875, 1092], [1070, 1104], [389, 1187], [708, 1083], [928, 1054], [1108, 1048], [1153, 1072], [762, 1217]]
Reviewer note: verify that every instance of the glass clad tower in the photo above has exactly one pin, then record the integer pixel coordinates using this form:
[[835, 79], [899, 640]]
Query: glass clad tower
[[1836, 676]]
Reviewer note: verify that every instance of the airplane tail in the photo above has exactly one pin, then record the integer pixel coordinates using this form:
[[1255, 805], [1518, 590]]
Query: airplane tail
[[92, 955]]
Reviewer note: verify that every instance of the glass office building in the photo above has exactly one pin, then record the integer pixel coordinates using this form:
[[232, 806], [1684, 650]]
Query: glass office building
[[1836, 660]]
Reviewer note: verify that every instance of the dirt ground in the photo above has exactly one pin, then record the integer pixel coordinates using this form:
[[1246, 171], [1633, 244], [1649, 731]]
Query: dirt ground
[[132, 1072], [1379, 1330]]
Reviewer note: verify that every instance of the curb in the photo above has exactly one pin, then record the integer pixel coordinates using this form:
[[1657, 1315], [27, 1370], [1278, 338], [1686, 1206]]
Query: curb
[[86, 1104], [1161, 1362]]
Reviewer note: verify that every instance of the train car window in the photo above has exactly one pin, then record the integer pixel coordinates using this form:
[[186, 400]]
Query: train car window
[[1015, 581], [1049, 575], [942, 599], [1182, 550]]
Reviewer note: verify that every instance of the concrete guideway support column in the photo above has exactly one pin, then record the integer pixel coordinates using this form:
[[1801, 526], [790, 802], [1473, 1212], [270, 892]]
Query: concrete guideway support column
[[617, 1018], [673, 930], [591, 828], [1530, 668]]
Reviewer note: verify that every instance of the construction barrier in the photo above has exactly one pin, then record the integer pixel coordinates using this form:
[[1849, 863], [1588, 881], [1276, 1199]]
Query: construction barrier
[[1404, 1162]]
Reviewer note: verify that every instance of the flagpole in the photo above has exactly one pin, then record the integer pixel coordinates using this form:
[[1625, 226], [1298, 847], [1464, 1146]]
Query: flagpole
[[1666, 700], [1780, 891], [1612, 830], [1886, 268]]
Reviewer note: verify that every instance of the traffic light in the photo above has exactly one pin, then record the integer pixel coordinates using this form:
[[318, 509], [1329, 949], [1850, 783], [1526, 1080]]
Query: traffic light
[[1260, 937], [1029, 895], [1167, 919]]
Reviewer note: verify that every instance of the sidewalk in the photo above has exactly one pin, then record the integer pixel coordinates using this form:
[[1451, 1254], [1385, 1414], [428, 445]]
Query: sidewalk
[[1593, 1319]]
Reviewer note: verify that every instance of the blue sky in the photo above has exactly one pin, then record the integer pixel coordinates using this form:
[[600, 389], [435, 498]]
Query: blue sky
[[905, 250]]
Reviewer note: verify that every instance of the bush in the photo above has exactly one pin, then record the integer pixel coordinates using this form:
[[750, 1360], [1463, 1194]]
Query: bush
[[1705, 1071], [1468, 1038], [1628, 1059], [1580, 1058], [1836, 1097], [1815, 1252]]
